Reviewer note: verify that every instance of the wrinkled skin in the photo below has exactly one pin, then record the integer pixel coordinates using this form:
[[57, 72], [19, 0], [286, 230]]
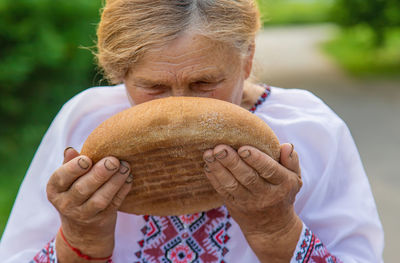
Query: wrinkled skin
[[87, 198], [259, 194], [258, 191]]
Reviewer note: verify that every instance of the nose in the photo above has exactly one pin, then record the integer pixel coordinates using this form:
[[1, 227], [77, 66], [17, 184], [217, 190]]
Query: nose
[[180, 91]]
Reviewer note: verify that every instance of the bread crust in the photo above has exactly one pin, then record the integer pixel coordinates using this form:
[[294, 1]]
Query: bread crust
[[164, 141]]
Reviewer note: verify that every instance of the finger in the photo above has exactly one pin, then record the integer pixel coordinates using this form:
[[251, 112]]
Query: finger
[[243, 173], [122, 193], [68, 173], [289, 158], [227, 185], [85, 186], [216, 184], [264, 165], [107, 193], [208, 157], [69, 154]]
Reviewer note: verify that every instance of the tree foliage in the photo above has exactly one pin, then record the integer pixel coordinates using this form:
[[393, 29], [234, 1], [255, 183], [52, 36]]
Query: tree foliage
[[41, 66], [376, 14], [41, 63]]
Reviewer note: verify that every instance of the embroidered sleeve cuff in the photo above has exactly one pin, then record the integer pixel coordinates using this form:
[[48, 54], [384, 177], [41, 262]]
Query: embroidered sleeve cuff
[[48, 254], [310, 249]]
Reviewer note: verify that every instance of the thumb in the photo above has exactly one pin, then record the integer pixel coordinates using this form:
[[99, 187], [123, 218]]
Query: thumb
[[69, 154], [289, 158]]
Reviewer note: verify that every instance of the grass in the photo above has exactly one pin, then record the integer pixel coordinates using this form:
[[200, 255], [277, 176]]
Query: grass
[[286, 12], [354, 51]]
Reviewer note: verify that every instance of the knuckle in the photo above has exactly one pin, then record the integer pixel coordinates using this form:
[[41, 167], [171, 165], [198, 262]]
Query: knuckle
[[295, 182], [99, 174], [221, 190], [269, 169], [231, 187], [69, 169], [299, 183], [55, 179], [117, 201], [99, 203], [233, 161], [80, 189], [251, 179], [51, 195], [64, 207], [61, 181], [259, 161]]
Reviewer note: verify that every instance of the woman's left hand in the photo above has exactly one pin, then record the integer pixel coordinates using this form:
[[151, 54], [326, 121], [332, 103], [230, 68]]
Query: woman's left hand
[[259, 194]]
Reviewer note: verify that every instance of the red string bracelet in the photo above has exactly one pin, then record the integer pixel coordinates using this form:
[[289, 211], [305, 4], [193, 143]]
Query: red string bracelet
[[79, 253]]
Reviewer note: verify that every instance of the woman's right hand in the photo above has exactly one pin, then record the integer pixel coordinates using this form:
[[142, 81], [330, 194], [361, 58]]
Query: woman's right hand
[[87, 198]]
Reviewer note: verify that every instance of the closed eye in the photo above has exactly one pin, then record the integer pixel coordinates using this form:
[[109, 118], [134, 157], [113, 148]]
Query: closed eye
[[205, 86], [156, 89]]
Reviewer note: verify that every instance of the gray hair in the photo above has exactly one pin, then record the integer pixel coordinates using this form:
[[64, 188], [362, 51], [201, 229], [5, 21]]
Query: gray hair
[[128, 28]]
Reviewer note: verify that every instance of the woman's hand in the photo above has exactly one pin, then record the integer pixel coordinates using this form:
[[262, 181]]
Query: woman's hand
[[259, 194], [87, 198]]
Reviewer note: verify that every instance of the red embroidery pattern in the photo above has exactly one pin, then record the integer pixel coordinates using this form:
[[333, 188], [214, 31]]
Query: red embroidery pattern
[[262, 98], [312, 250], [199, 237], [47, 254]]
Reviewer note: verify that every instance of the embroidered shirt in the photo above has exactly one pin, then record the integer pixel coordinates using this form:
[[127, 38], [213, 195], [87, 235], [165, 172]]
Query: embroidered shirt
[[335, 202]]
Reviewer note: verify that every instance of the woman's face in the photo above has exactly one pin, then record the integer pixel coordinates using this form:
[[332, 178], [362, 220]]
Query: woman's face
[[192, 66]]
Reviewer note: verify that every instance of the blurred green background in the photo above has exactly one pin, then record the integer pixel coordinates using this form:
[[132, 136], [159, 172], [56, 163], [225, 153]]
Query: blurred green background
[[43, 64]]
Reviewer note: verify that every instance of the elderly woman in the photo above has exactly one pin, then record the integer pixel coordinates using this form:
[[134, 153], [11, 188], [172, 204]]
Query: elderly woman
[[272, 213]]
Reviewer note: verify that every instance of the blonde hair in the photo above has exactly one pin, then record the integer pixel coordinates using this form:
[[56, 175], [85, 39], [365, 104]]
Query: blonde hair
[[128, 28]]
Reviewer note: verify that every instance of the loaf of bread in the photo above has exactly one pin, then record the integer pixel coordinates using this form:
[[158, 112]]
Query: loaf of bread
[[164, 141]]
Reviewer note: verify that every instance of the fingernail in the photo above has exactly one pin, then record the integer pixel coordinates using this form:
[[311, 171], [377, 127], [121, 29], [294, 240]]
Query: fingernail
[[245, 153], [206, 168], [222, 154], [83, 163], [123, 169], [109, 165], [66, 149], [209, 159], [129, 179], [291, 153]]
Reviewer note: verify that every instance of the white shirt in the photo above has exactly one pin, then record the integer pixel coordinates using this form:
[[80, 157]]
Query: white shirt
[[335, 202]]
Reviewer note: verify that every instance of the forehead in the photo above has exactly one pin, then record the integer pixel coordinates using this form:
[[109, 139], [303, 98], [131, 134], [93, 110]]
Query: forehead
[[187, 56]]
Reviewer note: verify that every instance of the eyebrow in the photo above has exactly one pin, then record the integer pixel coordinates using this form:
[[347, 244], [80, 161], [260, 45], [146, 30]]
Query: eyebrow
[[145, 81], [208, 77]]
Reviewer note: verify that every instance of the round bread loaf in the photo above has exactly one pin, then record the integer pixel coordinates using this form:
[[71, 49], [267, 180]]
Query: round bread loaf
[[164, 141]]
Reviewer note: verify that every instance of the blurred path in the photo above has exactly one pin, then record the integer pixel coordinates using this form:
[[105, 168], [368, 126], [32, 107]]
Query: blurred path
[[289, 57]]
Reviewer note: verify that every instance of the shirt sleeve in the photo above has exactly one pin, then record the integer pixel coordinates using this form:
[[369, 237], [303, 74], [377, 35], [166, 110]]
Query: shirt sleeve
[[48, 254], [33, 220], [310, 249], [336, 201]]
